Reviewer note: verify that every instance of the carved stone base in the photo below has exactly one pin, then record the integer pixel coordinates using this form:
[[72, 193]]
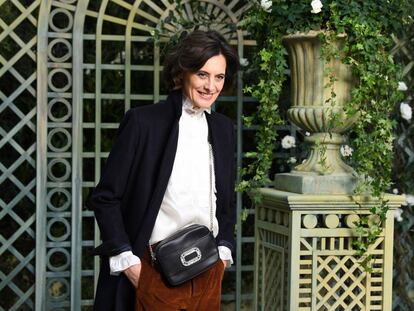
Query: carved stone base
[[305, 258], [312, 183]]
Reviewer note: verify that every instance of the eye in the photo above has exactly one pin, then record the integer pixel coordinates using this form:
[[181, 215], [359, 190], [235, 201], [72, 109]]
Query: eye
[[201, 74], [220, 78]]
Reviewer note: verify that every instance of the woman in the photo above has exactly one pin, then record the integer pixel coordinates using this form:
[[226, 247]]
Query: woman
[[157, 181]]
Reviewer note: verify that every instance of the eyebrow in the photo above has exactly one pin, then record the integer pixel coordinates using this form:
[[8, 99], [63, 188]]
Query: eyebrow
[[219, 74]]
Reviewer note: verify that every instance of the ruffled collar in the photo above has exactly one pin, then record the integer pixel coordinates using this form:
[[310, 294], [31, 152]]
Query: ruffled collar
[[189, 108]]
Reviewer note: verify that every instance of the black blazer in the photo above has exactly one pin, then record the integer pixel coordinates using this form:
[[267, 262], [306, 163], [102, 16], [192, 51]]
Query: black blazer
[[128, 197]]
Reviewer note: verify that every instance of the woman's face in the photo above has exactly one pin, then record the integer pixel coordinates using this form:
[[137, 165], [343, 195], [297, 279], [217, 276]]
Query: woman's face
[[204, 86]]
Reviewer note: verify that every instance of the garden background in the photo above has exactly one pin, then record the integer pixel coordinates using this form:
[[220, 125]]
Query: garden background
[[69, 70]]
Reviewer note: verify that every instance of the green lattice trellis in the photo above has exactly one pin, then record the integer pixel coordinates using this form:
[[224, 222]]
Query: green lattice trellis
[[77, 42], [17, 149]]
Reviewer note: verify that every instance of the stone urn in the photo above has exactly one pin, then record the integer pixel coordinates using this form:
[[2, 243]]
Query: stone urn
[[316, 111]]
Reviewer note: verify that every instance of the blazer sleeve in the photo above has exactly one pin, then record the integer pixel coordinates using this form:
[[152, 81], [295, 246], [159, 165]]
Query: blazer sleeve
[[228, 213], [105, 200]]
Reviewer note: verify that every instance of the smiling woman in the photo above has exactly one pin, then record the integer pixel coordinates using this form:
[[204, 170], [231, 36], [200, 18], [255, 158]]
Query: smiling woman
[[195, 51], [171, 167]]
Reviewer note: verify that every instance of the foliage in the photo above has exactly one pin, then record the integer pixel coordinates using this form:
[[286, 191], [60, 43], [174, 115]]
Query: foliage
[[367, 25]]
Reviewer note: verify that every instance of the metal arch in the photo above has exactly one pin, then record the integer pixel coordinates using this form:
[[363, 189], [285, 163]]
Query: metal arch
[[77, 101]]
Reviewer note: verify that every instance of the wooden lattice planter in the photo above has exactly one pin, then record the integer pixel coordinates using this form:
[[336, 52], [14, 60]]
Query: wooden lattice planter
[[305, 260]]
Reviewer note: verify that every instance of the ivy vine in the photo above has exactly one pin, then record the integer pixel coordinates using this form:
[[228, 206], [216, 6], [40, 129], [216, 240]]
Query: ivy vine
[[368, 26]]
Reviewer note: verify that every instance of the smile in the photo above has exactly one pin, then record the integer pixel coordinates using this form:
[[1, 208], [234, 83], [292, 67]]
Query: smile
[[205, 95]]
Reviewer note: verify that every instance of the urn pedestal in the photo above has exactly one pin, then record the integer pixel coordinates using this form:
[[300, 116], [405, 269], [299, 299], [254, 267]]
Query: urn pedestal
[[304, 255]]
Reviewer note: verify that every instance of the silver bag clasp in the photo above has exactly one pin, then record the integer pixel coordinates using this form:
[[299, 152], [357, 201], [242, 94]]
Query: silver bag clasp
[[192, 250]]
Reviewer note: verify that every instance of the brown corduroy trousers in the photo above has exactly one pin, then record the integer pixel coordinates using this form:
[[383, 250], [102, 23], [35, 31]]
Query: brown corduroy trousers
[[203, 293]]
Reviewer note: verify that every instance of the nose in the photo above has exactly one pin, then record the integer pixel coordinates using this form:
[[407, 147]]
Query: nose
[[209, 85]]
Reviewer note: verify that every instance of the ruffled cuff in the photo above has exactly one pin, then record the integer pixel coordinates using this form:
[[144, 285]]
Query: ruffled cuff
[[225, 254], [121, 262]]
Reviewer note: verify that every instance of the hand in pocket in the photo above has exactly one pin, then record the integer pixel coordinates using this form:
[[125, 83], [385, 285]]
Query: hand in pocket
[[133, 273]]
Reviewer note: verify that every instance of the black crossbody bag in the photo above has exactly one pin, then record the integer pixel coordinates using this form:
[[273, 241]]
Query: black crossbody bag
[[190, 251]]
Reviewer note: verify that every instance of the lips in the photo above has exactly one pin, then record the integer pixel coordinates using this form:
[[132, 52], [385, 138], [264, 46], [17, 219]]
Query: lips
[[205, 95]]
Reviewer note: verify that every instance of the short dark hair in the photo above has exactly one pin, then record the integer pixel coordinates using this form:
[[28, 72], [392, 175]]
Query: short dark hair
[[193, 51]]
